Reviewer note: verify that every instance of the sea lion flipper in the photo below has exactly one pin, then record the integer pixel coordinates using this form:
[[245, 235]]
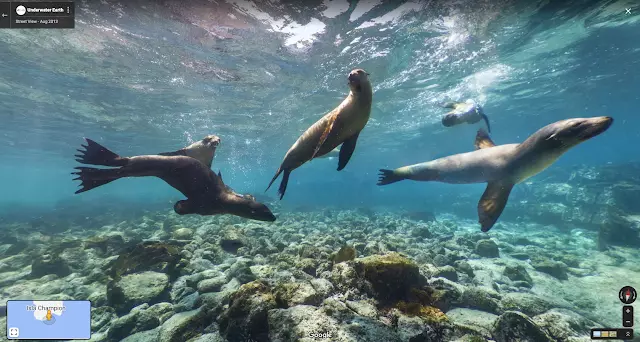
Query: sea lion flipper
[[96, 154], [325, 134], [492, 203], [486, 120], [348, 146], [483, 140]]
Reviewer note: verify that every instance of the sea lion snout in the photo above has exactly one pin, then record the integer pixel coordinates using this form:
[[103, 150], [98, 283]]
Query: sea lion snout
[[211, 140], [357, 75]]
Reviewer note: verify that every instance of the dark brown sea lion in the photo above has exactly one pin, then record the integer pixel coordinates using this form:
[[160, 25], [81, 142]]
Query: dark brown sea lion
[[342, 125], [502, 166], [205, 191]]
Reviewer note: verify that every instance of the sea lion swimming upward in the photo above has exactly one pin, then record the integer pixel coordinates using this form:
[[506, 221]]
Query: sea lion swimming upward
[[468, 111], [502, 166], [335, 153], [205, 191], [340, 126]]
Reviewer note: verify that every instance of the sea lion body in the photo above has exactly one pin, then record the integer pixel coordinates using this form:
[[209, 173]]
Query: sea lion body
[[341, 126], [331, 154], [205, 191], [502, 166]]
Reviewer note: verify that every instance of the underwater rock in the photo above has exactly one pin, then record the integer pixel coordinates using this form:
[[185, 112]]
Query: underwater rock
[[464, 267], [520, 255], [182, 234], [108, 245], [421, 232], [183, 326], [619, 230], [528, 304], [305, 323], [232, 239], [246, 317], [143, 336], [135, 321], [49, 264], [211, 284], [308, 266], [241, 270], [476, 320], [295, 293], [563, 325], [481, 299], [391, 275], [514, 326], [517, 273], [487, 248], [448, 272], [555, 269], [102, 317], [135, 289], [345, 253], [148, 256]]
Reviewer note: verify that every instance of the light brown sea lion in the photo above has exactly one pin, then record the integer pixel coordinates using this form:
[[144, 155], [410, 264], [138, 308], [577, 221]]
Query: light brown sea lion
[[502, 166], [205, 191], [203, 150], [464, 112], [342, 125]]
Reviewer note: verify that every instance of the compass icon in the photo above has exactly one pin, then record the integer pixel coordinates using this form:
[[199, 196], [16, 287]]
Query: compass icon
[[627, 295]]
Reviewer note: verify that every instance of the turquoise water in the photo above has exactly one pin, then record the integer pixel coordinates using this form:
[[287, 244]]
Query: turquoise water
[[150, 77]]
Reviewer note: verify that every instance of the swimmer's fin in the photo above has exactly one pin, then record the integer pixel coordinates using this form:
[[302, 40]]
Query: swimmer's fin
[[325, 134], [492, 203], [483, 140], [96, 154], [348, 146]]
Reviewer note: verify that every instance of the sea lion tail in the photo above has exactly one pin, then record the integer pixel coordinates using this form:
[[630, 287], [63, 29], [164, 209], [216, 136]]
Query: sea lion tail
[[93, 178], [96, 154], [283, 184], [388, 177]]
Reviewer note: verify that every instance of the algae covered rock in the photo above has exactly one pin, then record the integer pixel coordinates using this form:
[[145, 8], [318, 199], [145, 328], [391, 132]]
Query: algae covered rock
[[148, 256], [555, 269], [246, 317], [296, 293], [517, 273], [49, 264], [391, 275], [345, 253], [135, 289], [139, 319], [184, 326], [526, 303], [487, 248], [514, 326], [448, 272], [233, 239], [182, 234], [481, 299]]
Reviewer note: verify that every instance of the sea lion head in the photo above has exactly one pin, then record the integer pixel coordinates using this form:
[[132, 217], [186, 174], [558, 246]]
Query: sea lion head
[[246, 206], [450, 119], [565, 134], [358, 78], [211, 141]]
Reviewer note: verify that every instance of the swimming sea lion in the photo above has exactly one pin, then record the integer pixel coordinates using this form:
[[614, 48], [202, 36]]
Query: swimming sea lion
[[205, 191], [331, 154], [468, 111], [203, 150], [502, 166], [340, 126]]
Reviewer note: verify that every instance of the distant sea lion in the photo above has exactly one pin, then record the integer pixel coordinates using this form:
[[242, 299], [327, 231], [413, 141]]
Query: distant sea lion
[[342, 125], [203, 150], [468, 111], [205, 191], [502, 166]]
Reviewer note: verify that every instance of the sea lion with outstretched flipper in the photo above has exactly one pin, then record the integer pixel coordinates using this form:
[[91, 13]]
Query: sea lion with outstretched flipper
[[502, 166], [203, 150], [464, 112], [342, 125], [205, 191]]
